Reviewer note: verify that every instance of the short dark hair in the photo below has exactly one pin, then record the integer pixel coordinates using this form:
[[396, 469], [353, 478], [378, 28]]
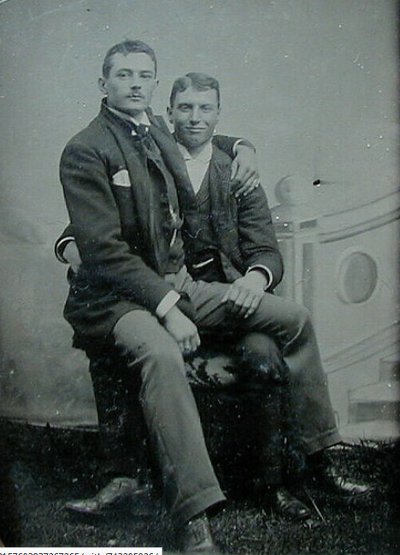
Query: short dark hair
[[127, 47], [199, 81]]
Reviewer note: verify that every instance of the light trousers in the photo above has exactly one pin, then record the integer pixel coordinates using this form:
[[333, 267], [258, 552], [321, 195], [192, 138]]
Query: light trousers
[[189, 482]]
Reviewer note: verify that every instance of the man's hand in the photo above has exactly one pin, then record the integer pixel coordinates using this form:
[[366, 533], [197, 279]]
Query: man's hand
[[244, 170], [182, 330], [71, 255], [244, 295]]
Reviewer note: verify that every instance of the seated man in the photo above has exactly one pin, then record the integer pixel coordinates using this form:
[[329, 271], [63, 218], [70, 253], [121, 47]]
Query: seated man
[[134, 227], [236, 244]]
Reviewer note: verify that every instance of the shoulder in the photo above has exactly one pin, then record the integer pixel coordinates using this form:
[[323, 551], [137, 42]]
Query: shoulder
[[95, 138], [95, 132], [220, 158]]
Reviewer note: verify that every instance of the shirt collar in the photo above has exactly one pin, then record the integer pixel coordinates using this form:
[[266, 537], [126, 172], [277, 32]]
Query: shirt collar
[[144, 120], [203, 157]]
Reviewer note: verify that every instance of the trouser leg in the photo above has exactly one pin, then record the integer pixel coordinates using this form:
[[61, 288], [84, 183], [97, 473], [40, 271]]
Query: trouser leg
[[262, 367], [290, 326], [189, 482], [121, 426]]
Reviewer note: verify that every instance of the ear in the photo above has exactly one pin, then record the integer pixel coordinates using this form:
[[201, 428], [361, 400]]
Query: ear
[[169, 114], [155, 86], [102, 85]]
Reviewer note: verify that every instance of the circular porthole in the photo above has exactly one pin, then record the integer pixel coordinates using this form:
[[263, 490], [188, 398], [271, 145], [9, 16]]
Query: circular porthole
[[358, 276]]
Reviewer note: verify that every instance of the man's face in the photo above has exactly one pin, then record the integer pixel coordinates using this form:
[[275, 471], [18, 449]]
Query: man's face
[[131, 82], [194, 116]]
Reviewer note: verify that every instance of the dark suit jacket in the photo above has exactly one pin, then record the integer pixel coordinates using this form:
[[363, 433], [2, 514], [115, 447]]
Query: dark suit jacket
[[123, 243], [242, 227]]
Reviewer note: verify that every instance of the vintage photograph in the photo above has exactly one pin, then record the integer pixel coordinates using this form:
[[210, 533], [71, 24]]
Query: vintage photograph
[[199, 330]]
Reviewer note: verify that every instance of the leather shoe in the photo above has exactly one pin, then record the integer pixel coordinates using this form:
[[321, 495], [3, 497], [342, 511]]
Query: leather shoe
[[330, 478], [287, 505], [195, 536], [112, 494]]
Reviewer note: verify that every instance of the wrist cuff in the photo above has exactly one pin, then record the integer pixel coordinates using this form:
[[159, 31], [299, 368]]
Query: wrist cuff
[[167, 303], [59, 248]]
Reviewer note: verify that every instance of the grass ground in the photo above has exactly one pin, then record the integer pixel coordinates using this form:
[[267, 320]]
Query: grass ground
[[50, 468]]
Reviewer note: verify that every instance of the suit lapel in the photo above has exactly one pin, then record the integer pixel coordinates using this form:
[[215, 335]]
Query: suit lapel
[[177, 167], [143, 209], [220, 194]]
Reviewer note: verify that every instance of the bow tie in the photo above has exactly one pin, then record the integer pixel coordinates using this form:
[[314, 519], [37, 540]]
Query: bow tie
[[142, 136], [141, 130]]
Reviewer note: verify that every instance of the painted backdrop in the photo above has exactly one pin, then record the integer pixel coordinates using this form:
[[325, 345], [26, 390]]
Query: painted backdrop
[[313, 83]]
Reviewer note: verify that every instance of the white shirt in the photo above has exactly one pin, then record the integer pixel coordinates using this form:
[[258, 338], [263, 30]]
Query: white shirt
[[197, 166], [144, 120]]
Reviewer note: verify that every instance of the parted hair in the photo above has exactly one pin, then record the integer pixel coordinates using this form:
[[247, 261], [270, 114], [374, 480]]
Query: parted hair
[[199, 81], [127, 47]]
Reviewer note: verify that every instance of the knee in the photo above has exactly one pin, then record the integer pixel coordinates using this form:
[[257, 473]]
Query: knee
[[164, 354], [145, 344], [163, 378], [261, 357], [157, 360], [257, 344], [163, 362], [299, 318], [160, 354]]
